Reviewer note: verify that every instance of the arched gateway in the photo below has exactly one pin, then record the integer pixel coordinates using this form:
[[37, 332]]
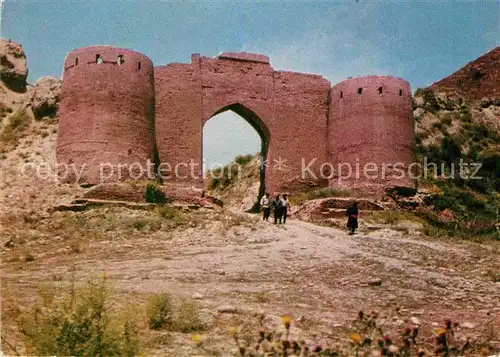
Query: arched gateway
[[107, 108]]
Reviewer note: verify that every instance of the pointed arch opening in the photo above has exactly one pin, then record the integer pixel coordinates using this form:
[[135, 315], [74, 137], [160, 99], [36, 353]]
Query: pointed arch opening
[[232, 137]]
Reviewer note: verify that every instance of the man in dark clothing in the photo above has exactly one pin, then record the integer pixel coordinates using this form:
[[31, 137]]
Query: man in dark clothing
[[352, 221], [278, 209]]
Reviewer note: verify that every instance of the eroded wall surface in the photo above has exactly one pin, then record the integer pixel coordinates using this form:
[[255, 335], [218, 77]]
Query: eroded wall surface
[[106, 115], [371, 129]]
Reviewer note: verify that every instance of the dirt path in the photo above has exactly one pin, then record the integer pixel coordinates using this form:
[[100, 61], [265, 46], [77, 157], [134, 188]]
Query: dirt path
[[319, 273]]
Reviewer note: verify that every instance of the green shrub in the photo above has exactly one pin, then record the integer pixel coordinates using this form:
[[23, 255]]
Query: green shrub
[[447, 119], [167, 212], [159, 311], [243, 159], [79, 323], [223, 176], [429, 98], [438, 125], [14, 125], [153, 194], [466, 116], [187, 317], [140, 224], [476, 74]]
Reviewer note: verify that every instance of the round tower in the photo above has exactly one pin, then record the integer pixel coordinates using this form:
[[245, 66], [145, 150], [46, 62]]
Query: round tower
[[371, 133], [106, 130]]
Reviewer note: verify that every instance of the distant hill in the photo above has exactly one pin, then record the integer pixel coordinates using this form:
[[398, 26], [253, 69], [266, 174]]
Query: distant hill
[[476, 80]]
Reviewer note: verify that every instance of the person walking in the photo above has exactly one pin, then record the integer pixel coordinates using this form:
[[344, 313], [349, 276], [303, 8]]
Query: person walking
[[278, 209], [286, 206], [352, 214], [265, 203]]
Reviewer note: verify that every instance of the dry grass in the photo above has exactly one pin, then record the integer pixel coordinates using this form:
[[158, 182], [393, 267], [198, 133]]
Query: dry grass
[[186, 317], [298, 198], [393, 217], [15, 126], [159, 311]]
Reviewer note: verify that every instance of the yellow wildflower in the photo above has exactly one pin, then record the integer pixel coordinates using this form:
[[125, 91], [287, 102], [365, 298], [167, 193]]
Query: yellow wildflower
[[355, 337], [287, 320], [234, 331], [440, 331], [196, 339]]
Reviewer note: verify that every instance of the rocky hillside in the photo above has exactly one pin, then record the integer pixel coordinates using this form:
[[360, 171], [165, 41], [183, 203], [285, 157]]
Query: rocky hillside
[[479, 79], [457, 120], [236, 184]]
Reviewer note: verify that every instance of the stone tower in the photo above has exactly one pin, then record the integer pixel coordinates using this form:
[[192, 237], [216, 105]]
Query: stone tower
[[106, 129], [370, 126]]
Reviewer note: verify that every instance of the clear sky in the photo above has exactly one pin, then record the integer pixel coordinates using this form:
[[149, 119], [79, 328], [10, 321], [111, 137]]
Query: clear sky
[[420, 41]]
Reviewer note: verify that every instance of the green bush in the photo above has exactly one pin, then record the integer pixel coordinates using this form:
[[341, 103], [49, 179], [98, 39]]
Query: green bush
[[159, 311], [466, 116], [139, 224], [447, 119], [170, 213], [187, 317], [243, 159], [153, 194], [438, 125], [429, 98], [14, 125], [223, 176], [476, 74], [79, 323]]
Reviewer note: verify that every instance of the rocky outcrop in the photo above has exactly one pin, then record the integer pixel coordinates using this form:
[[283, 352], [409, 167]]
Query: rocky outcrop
[[13, 67], [333, 207], [135, 192], [44, 97]]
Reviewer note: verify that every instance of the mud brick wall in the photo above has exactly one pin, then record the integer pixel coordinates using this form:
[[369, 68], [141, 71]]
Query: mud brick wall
[[178, 126], [371, 122], [300, 134], [119, 113], [106, 114], [288, 110]]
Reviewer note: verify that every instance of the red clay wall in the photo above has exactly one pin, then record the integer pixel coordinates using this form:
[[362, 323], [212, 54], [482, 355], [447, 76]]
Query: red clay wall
[[106, 114], [289, 110], [300, 130], [178, 125], [371, 127]]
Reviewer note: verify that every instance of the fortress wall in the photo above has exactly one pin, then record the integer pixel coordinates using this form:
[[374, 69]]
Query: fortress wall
[[178, 125], [106, 113], [242, 83], [116, 108], [301, 103], [227, 81], [374, 126]]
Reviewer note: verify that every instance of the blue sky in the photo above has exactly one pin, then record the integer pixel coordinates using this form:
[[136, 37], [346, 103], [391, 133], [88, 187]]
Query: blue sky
[[420, 41]]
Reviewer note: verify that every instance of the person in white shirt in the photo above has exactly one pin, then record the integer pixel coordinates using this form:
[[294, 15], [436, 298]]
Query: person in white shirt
[[265, 204]]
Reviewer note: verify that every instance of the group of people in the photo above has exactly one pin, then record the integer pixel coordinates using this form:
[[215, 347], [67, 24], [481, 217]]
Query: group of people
[[279, 205]]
